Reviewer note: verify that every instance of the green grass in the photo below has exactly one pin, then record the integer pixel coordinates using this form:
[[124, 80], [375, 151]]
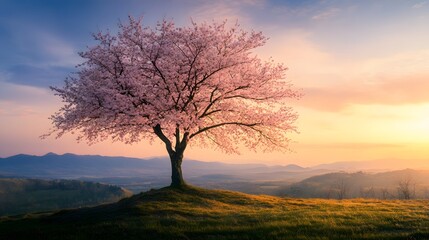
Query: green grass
[[194, 213]]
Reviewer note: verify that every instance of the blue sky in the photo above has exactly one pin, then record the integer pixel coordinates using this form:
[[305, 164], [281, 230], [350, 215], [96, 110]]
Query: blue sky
[[40, 39], [360, 62]]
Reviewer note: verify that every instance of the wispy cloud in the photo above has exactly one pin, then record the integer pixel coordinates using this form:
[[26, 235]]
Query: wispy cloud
[[328, 13], [351, 145], [44, 59], [419, 5], [45, 47], [410, 89], [25, 95], [8, 109], [332, 83], [225, 10], [38, 76], [58, 52]]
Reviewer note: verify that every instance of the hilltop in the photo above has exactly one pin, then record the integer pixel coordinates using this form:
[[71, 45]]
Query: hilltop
[[195, 213]]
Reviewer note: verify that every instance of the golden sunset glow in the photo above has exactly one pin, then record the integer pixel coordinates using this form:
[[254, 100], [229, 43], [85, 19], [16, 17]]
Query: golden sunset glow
[[363, 68]]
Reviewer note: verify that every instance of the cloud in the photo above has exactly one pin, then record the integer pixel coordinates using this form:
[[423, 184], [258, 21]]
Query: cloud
[[328, 13], [411, 89], [46, 49], [221, 10], [25, 95], [351, 145], [19, 101], [333, 83], [59, 53], [38, 76], [419, 5], [42, 60], [38, 44], [13, 110]]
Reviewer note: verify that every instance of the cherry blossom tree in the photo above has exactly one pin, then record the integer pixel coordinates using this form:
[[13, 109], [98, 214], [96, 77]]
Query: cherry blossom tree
[[199, 85]]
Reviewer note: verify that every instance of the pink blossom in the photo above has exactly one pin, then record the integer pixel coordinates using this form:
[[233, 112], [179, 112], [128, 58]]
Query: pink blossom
[[200, 85]]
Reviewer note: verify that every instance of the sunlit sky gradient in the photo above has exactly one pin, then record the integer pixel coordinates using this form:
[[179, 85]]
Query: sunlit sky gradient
[[363, 66]]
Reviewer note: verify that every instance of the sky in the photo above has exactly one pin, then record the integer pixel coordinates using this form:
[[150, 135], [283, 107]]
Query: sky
[[363, 67]]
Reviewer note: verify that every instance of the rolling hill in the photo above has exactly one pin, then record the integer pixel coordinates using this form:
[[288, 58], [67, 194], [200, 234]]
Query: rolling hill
[[195, 213], [19, 196], [384, 185]]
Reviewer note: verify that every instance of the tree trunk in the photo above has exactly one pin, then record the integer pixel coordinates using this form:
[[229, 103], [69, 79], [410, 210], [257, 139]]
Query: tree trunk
[[176, 154], [176, 170]]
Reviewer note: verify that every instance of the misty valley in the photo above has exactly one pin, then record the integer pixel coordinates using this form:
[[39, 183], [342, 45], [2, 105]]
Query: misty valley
[[52, 182]]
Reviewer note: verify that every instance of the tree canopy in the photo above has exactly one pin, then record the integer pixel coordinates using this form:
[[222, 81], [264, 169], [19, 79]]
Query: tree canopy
[[200, 84]]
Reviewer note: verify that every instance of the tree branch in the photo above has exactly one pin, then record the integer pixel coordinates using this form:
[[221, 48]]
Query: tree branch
[[158, 131], [250, 125], [177, 135]]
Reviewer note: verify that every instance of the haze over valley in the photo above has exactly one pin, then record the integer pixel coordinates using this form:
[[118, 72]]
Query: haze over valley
[[354, 179]]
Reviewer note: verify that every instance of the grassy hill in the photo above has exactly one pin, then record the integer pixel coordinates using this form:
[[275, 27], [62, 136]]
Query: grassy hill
[[18, 195], [194, 213], [384, 185]]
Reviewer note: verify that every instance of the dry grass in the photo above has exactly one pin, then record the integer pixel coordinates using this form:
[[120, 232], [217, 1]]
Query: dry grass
[[194, 213]]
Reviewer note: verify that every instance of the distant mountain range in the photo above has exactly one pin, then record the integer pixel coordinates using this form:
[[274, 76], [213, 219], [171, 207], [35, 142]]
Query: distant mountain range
[[70, 165], [142, 174]]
